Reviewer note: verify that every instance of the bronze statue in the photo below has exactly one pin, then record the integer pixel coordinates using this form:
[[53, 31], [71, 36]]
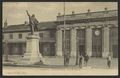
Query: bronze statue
[[33, 22]]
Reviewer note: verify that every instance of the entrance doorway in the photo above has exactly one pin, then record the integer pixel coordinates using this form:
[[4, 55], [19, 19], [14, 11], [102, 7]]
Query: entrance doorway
[[115, 51], [114, 41], [66, 45], [81, 41], [97, 42]]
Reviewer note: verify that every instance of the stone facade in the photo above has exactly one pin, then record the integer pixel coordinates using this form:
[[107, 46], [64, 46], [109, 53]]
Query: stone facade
[[94, 46], [98, 30]]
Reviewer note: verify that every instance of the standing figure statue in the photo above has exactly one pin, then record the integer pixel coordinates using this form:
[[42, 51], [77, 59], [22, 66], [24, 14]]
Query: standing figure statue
[[33, 22]]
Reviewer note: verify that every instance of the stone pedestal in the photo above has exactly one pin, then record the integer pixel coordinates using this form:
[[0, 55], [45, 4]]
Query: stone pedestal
[[32, 54]]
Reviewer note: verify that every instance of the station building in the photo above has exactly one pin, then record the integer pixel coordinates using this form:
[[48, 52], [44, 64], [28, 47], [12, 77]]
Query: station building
[[94, 33]]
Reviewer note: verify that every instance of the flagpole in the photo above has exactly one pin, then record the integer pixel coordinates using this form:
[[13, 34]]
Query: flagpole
[[64, 14], [64, 35]]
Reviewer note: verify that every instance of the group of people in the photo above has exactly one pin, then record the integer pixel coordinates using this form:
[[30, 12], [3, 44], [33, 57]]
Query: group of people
[[80, 58], [83, 60]]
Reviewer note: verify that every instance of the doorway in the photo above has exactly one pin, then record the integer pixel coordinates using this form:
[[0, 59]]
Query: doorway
[[97, 42]]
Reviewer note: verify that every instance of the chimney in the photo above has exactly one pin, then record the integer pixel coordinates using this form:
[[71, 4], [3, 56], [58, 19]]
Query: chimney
[[106, 8], [59, 14], [25, 23], [88, 10], [73, 12], [5, 24]]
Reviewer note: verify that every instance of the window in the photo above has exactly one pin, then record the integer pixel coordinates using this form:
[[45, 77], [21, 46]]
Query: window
[[81, 41], [52, 34], [11, 36], [20, 36], [66, 42], [41, 35]]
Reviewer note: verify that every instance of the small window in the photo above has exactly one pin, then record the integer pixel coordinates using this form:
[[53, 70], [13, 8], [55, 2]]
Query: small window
[[52, 34], [20, 36], [11, 36]]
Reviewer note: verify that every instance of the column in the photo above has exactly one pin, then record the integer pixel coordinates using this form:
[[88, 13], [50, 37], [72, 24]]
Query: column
[[89, 41], [73, 42], [105, 42], [59, 42]]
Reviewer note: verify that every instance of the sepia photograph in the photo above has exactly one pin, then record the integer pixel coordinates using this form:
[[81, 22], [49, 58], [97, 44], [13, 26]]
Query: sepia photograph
[[60, 38]]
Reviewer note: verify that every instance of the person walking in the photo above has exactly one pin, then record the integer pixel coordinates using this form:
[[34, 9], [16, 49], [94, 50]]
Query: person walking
[[109, 61], [80, 60], [86, 58], [67, 59], [65, 55]]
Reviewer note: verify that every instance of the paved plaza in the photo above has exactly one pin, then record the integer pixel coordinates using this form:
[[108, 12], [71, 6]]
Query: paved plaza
[[61, 71], [93, 62], [59, 61], [96, 66]]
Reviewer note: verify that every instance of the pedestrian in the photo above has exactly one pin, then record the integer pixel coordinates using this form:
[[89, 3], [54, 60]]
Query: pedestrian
[[67, 58], [80, 60], [86, 58], [109, 61], [64, 59]]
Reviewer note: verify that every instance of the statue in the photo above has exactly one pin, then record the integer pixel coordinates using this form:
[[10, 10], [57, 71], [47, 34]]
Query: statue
[[33, 22], [32, 55]]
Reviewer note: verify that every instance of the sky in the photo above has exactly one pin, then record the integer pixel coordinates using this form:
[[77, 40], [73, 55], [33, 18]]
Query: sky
[[15, 12]]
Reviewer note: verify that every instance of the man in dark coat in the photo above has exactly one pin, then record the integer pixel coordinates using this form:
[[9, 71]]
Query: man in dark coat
[[109, 61], [34, 22], [67, 58], [80, 60], [86, 58]]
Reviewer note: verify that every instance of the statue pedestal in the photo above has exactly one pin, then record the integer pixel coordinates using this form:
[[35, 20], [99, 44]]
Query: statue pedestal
[[32, 54]]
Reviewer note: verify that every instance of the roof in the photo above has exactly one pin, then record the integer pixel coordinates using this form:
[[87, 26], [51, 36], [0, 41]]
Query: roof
[[54, 24], [23, 27], [98, 14]]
